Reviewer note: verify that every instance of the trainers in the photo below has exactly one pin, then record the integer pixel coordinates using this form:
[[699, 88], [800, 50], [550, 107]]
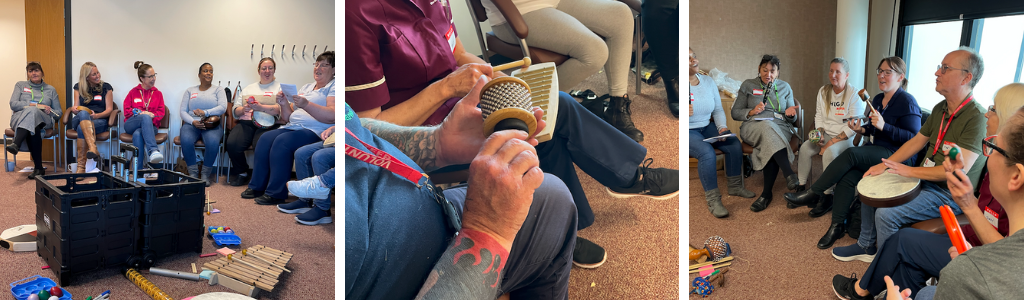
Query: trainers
[[588, 255], [309, 188], [844, 288], [268, 200], [659, 183], [296, 207], [156, 157], [250, 194], [854, 252], [314, 216]]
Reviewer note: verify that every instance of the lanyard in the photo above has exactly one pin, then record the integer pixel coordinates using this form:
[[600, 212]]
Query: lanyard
[[776, 105], [942, 130], [145, 102], [384, 160], [41, 95]]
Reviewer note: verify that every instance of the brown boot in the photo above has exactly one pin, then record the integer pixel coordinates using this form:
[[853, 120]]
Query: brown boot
[[90, 138], [81, 147]]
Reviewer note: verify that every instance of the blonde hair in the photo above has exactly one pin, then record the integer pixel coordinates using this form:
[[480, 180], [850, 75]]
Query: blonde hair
[[1008, 99], [828, 88], [83, 82]]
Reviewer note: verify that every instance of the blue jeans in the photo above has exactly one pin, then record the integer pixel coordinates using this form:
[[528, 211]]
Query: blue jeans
[[100, 124], [312, 160], [891, 219], [143, 134], [275, 153], [927, 293], [211, 139], [704, 152]]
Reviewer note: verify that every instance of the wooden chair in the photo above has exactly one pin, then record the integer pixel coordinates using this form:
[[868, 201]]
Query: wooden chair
[[70, 134], [160, 137]]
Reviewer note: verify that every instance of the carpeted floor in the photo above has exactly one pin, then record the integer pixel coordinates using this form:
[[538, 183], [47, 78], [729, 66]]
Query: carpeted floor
[[640, 235], [312, 266], [775, 252]]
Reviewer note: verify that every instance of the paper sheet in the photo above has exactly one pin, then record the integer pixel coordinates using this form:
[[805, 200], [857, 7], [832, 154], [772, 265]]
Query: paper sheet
[[289, 90], [715, 138]]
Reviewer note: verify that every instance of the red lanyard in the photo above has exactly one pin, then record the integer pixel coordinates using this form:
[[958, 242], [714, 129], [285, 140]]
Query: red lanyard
[[384, 160], [942, 130]]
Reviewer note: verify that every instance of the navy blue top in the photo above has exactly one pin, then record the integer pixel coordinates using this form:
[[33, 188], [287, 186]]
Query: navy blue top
[[902, 121]]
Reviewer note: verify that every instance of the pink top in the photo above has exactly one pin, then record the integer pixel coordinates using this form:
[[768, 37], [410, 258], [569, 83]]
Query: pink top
[[151, 100]]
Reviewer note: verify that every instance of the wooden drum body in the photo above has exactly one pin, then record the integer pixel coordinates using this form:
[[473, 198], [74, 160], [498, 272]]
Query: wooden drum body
[[888, 190]]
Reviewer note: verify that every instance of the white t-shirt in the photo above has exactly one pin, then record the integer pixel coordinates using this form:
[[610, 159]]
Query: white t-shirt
[[300, 118], [831, 116], [255, 89]]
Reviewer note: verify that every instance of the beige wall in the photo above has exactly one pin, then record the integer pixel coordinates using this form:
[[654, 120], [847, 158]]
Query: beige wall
[[12, 53], [881, 39], [730, 35]]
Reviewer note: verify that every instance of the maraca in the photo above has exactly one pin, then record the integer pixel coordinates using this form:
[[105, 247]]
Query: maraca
[[814, 136], [717, 247], [696, 254], [135, 111]]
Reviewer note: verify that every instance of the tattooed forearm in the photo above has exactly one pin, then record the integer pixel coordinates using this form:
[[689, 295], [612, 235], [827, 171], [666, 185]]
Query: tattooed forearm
[[470, 269], [416, 142]]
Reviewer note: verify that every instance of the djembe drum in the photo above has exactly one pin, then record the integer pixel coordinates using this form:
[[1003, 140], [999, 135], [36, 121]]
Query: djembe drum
[[888, 190]]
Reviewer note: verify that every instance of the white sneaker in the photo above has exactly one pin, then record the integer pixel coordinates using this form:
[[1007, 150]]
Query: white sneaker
[[308, 188], [156, 157]]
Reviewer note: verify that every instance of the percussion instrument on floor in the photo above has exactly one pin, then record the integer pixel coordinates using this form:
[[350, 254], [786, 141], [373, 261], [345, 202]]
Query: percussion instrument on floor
[[717, 247], [259, 267], [888, 190]]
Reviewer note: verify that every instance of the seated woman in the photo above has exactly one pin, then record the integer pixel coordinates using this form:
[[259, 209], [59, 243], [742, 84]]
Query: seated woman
[[594, 34], [92, 93], [707, 119], [199, 102], [36, 106], [766, 107], [275, 152], [911, 256], [837, 102], [314, 167], [246, 133], [898, 122], [143, 110]]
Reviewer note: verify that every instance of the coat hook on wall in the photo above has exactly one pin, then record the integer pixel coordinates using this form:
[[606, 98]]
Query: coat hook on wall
[[293, 50], [261, 50], [325, 48], [272, 49], [282, 50], [303, 50], [251, 49], [314, 51]]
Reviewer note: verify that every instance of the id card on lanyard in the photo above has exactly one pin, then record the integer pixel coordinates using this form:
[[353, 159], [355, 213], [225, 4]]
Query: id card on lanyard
[[942, 130], [388, 162]]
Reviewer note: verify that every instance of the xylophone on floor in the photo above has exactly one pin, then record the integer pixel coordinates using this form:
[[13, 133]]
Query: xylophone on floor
[[257, 267]]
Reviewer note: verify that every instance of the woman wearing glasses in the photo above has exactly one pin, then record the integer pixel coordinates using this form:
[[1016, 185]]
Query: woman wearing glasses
[[143, 111], [246, 133], [198, 102], [895, 119], [911, 256], [33, 104], [765, 105], [306, 115]]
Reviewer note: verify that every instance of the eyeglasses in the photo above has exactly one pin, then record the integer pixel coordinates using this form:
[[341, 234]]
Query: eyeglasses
[[321, 65], [266, 68], [887, 72], [945, 68], [150, 76], [992, 108], [988, 144]]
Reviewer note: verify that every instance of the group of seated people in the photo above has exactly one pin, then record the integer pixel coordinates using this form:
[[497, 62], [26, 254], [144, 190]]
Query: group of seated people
[[293, 129], [892, 138], [411, 97]]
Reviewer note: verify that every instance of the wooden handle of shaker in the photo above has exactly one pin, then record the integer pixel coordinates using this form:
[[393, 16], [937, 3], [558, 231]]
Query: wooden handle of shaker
[[525, 62]]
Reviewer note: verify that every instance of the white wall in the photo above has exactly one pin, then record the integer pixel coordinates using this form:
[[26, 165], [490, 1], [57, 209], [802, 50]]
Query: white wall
[[178, 36], [12, 54], [464, 24], [852, 37]]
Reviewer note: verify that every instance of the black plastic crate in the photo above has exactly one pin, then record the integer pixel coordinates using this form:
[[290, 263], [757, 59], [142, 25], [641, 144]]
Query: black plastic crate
[[171, 221], [85, 225]]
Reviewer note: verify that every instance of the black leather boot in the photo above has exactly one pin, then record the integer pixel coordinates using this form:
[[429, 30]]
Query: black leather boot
[[799, 188], [835, 231], [805, 198], [761, 203], [618, 114], [824, 206], [672, 89]]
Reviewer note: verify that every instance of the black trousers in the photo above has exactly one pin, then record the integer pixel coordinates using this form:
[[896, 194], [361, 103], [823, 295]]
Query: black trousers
[[845, 172], [660, 22], [35, 143], [244, 134]]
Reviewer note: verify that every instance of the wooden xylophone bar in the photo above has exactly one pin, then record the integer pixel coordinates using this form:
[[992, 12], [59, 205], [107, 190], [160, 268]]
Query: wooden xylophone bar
[[262, 279]]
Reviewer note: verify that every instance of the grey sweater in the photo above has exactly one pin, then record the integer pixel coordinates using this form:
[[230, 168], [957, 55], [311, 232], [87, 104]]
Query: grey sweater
[[747, 98], [213, 101], [993, 271], [25, 93]]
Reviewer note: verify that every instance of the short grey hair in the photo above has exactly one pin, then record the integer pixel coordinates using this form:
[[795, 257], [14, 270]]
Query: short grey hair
[[974, 64], [843, 62]]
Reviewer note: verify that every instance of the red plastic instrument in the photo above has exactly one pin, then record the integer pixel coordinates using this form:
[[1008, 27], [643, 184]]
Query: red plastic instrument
[[956, 235]]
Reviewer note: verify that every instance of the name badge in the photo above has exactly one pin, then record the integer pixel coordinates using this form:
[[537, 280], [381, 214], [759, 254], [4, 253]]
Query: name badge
[[450, 36], [97, 98], [269, 94], [992, 217], [194, 95], [758, 92], [928, 163], [27, 90], [779, 116], [138, 100]]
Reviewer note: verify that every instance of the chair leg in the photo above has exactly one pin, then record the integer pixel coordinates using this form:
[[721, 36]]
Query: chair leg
[[5, 153], [638, 47]]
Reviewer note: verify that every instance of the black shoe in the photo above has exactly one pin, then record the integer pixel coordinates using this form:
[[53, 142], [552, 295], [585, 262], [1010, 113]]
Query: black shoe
[[824, 206], [790, 205], [834, 233], [588, 255], [805, 198], [672, 89], [250, 194], [37, 172], [240, 180], [12, 149], [760, 204], [618, 115], [792, 181], [657, 183], [799, 188], [843, 286], [268, 200]]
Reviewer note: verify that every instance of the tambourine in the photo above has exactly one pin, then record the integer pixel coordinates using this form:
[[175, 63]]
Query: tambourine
[[262, 120], [888, 190]]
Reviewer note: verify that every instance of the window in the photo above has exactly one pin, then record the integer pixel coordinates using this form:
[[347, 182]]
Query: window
[[1000, 48], [928, 44]]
